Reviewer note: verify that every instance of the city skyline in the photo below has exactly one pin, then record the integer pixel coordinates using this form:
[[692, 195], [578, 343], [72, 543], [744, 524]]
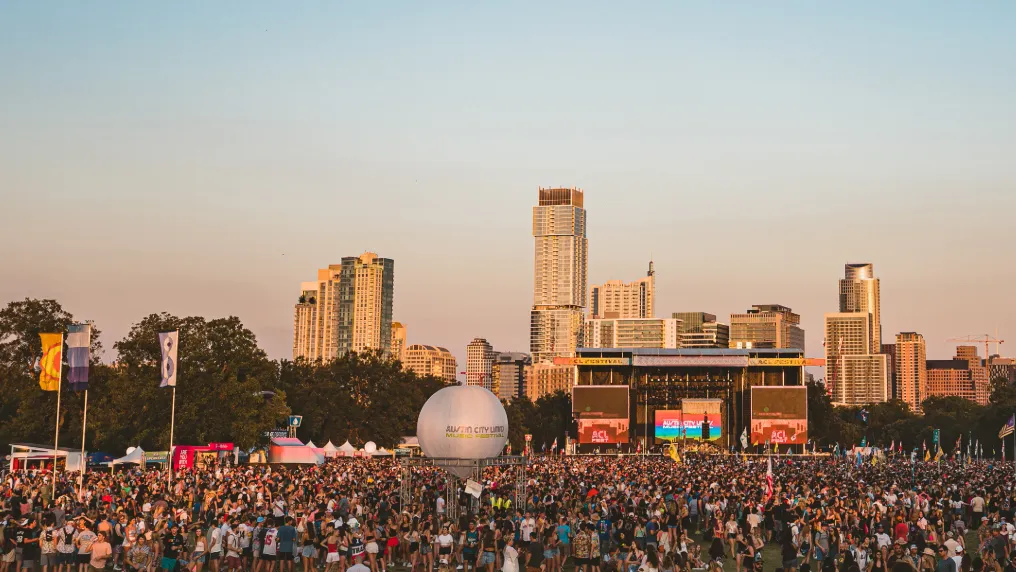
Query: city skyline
[[144, 171]]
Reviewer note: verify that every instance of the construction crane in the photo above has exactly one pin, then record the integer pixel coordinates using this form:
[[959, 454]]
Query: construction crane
[[985, 339]]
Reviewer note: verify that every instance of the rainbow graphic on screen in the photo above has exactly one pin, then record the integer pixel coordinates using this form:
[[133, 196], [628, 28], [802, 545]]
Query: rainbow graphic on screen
[[669, 424]]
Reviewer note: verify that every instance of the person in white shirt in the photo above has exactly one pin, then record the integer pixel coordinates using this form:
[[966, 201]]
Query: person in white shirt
[[269, 549]]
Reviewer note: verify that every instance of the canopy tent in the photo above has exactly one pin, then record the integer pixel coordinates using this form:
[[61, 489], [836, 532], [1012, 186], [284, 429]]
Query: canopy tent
[[134, 456], [382, 452], [291, 451], [99, 458], [311, 444], [30, 455], [330, 448], [346, 449]]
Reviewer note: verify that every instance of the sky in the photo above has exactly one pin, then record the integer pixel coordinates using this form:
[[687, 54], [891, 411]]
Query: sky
[[205, 158]]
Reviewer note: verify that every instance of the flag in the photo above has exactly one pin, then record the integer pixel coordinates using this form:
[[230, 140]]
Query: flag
[[51, 361], [553, 446], [79, 343], [769, 479], [959, 445], [1009, 428], [169, 342], [940, 453], [892, 445], [863, 415], [672, 451], [744, 438], [927, 455], [509, 448]]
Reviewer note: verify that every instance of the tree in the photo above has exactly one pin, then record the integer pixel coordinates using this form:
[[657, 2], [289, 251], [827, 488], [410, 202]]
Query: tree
[[221, 375], [26, 412], [358, 396]]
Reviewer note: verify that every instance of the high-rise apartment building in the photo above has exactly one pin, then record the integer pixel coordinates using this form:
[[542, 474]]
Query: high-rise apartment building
[[632, 333], [855, 375], [349, 308], [859, 292], [910, 357], [889, 351], [617, 299], [547, 379], [700, 330], [509, 374], [963, 376], [398, 341], [559, 285], [766, 326], [431, 360], [480, 356]]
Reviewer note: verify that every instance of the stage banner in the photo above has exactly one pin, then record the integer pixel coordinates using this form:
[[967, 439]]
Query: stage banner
[[51, 361], [79, 342], [168, 342]]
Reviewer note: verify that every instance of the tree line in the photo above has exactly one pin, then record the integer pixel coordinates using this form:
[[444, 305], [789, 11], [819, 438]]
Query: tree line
[[228, 389]]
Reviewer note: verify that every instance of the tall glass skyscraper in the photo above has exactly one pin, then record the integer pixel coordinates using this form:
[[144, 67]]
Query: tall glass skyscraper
[[560, 284]]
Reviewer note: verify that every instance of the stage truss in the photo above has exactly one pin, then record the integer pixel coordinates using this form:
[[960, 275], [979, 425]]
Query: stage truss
[[475, 467]]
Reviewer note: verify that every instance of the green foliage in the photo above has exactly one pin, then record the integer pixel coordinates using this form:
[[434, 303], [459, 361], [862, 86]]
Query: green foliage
[[222, 378], [548, 419], [359, 397]]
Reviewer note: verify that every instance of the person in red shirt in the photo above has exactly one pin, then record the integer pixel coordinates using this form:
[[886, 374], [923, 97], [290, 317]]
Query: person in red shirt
[[901, 530]]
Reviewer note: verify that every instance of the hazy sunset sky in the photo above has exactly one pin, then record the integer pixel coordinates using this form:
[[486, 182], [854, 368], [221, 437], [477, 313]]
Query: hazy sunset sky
[[204, 158]]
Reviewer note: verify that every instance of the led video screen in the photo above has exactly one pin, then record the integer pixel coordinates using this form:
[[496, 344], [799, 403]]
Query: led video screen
[[779, 415]]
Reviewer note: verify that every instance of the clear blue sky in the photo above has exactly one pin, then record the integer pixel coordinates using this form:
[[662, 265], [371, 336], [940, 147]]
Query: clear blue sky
[[207, 157]]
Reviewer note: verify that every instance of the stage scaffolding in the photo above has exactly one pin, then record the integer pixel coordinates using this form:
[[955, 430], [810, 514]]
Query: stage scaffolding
[[516, 464]]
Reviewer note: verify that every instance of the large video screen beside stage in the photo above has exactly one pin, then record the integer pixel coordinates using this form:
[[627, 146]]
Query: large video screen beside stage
[[779, 415], [602, 413], [692, 418], [603, 431]]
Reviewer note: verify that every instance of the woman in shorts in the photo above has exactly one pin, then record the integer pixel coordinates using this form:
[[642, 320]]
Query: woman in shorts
[[197, 557], [488, 548]]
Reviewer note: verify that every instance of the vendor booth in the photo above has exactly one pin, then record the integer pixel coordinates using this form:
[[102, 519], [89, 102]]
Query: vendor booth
[[291, 451], [32, 456], [196, 456]]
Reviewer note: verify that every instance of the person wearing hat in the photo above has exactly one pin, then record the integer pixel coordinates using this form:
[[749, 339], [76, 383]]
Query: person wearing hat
[[28, 542], [172, 544]]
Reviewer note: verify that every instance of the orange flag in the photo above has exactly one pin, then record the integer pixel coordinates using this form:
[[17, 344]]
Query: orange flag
[[51, 362]]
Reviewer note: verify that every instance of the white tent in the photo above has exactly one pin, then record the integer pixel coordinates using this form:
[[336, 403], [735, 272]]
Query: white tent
[[346, 449], [311, 445], [330, 448], [135, 456], [382, 452]]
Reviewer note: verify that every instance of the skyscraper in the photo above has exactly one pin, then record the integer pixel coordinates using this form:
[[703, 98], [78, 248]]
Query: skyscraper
[[509, 374], [854, 374], [766, 326], [559, 285], [859, 292], [857, 372], [480, 356], [963, 376], [616, 299], [632, 333], [349, 308], [700, 330], [911, 360]]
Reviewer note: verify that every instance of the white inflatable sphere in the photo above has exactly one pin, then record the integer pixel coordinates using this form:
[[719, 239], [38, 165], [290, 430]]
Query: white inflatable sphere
[[369, 447], [462, 422]]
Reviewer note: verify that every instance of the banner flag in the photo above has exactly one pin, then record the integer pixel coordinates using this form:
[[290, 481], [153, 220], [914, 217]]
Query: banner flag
[[79, 343], [1009, 427], [51, 362], [744, 438], [168, 343]]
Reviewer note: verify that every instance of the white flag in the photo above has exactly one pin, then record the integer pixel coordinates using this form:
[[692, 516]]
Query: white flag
[[744, 438], [168, 342], [473, 488]]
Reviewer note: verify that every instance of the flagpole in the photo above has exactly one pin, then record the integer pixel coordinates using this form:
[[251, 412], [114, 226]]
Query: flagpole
[[83, 465], [56, 439], [172, 423]]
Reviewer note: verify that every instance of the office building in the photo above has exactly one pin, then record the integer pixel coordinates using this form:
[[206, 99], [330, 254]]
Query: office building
[[632, 333], [700, 330], [910, 358], [509, 374], [854, 374], [963, 376], [559, 285], [430, 360], [480, 356], [859, 293], [348, 308], [766, 326], [1001, 370], [398, 341], [617, 299], [547, 379]]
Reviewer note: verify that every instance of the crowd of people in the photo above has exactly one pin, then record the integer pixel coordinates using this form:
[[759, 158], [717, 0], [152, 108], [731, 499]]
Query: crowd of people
[[587, 513]]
